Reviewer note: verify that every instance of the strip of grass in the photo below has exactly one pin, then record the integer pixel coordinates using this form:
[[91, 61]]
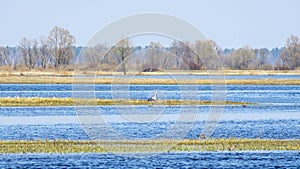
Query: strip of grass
[[37, 101], [90, 80], [140, 146]]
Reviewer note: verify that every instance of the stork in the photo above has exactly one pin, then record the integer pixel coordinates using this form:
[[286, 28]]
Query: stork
[[202, 136], [153, 98]]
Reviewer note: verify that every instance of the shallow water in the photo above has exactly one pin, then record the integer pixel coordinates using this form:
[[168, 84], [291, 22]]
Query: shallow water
[[267, 129], [248, 93], [259, 159], [275, 115]]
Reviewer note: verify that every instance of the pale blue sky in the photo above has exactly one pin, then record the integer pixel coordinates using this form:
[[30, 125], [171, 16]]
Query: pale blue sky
[[231, 23]]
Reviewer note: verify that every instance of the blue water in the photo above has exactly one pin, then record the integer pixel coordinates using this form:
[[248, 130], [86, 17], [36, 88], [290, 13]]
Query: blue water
[[271, 109], [259, 159], [247, 93], [266, 129], [275, 115]]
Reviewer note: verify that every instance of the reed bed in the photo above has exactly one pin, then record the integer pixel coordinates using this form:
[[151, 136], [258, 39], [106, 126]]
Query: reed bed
[[38, 101], [141, 146]]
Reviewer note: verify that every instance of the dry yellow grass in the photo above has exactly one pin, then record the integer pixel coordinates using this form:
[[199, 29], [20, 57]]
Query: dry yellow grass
[[139, 146], [36, 101], [90, 80], [66, 77]]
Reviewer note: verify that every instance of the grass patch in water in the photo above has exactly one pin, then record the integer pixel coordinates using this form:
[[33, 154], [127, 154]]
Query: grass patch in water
[[37, 101], [140, 146]]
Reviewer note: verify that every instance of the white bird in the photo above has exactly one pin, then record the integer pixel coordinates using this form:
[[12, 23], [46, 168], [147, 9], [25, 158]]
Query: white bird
[[153, 98], [202, 136]]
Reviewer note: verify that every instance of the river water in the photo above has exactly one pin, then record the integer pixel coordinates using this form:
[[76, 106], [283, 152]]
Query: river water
[[274, 113], [245, 159]]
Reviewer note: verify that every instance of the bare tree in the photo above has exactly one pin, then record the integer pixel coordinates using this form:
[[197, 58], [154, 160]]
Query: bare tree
[[290, 57], [95, 56], [121, 51], [242, 59], [8, 57], [187, 56], [89, 56], [34, 54], [44, 53], [207, 53], [166, 60], [263, 58], [184, 55], [177, 52], [61, 46], [157, 57], [3, 56], [154, 52], [25, 49]]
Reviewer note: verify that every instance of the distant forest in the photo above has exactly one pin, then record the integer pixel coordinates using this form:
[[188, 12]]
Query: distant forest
[[58, 52]]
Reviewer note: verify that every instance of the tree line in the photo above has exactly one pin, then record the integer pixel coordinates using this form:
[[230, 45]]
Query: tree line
[[57, 52]]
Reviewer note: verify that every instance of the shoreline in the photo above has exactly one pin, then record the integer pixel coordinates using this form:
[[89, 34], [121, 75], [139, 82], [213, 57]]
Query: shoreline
[[89, 77], [63, 73]]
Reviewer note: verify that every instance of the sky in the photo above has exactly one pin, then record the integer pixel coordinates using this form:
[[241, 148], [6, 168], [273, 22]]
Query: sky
[[230, 23]]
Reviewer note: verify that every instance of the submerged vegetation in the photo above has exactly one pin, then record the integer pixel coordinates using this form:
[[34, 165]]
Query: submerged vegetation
[[140, 146], [37, 101]]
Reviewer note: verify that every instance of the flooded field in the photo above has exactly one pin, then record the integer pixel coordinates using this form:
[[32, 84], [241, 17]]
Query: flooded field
[[274, 113]]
